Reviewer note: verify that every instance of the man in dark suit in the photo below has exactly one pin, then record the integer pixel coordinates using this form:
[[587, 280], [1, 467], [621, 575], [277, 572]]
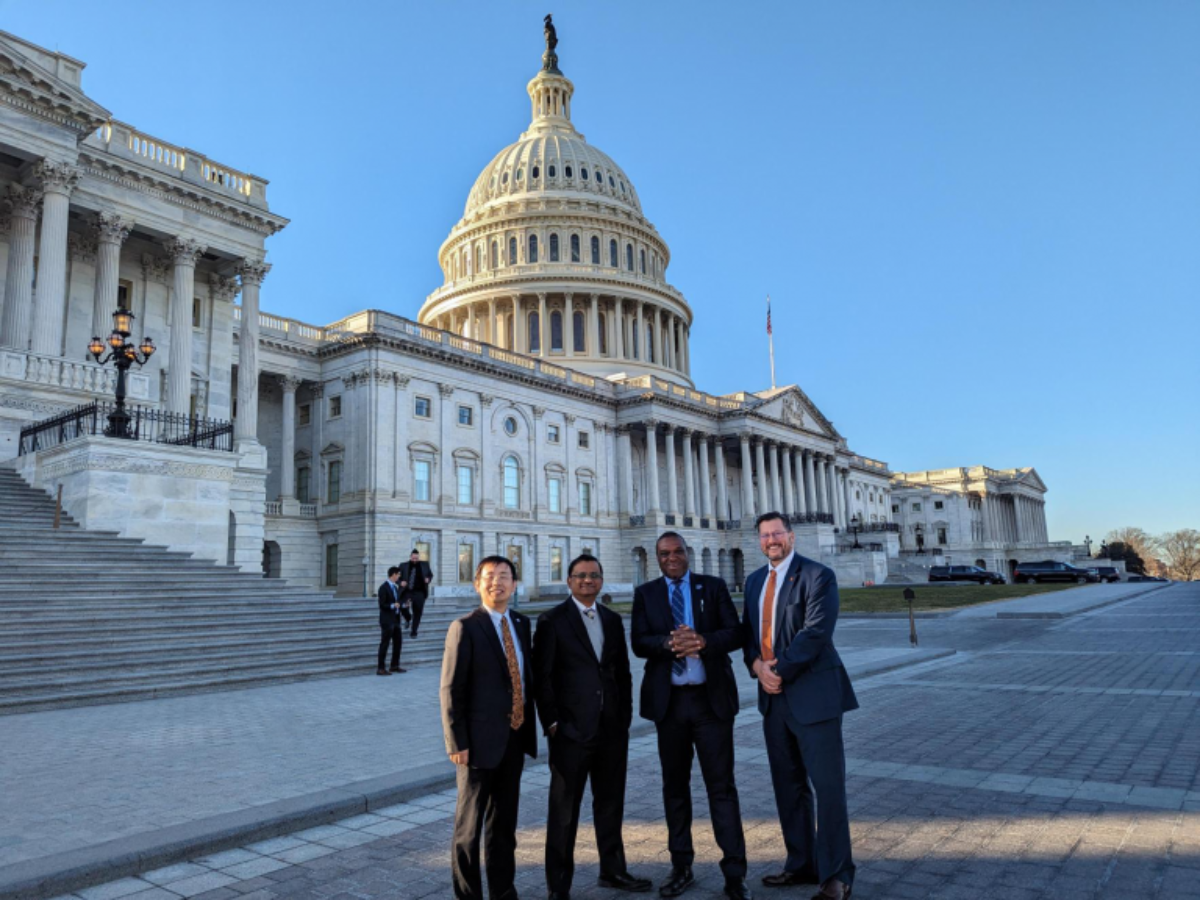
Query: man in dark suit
[[585, 701], [389, 622], [415, 576], [791, 609], [488, 720], [685, 626]]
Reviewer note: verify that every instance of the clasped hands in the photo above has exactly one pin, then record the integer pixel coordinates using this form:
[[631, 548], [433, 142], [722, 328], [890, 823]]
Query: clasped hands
[[767, 676], [686, 641]]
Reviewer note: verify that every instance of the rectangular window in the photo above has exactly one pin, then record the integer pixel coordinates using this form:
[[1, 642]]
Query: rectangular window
[[124, 294], [941, 535], [937, 504], [466, 485], [895, 508], [422, 548], [466, 563], [331, 565], [552, 434], [466, 415], [555, 495], [303, 481], [197, 313], [423, 408], [517, 558], [916, 507], [583, 440], [585, 499], [422, 469], [556, 564], [335, 482], [335, 406], [304, 414]]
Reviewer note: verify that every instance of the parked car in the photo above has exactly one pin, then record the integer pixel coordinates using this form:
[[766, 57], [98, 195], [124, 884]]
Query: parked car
[[1144, 578], [965, 573], [1108, 574], [1049, 572]]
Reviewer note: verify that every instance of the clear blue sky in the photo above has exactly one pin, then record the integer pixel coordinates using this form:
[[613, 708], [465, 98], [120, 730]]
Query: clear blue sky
[[979, 222]]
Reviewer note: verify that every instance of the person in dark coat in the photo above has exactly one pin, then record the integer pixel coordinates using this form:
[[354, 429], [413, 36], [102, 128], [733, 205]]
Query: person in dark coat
[[415, 578], [390, 606]]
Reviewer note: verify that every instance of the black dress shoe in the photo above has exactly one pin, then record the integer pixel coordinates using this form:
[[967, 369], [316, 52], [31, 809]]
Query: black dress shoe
[[679, 881], [790, 879], [623, 881], [737, 889], [382, 672], [833, 889], [398, 669]]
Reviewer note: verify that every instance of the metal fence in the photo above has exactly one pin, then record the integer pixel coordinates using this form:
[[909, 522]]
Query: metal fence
[[150, 425]]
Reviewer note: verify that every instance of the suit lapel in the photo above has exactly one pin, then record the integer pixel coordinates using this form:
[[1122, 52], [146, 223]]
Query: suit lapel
[[575, 617], [491, 637], [697, 600], [662, 602], [750, 601], [787, 591]]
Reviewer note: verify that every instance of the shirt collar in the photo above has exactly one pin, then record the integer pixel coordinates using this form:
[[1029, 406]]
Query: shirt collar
[[686, 578], [580, 606], [784, 564], [496, 617]]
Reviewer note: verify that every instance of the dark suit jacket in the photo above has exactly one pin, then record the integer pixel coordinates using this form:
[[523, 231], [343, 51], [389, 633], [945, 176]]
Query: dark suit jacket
[[388, 617], [476, 689], [815, 684], [415, 576], [716, 619], [575, 689]]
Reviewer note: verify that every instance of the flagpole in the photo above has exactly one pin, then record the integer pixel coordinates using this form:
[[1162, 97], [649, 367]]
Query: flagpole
[[771, 341]]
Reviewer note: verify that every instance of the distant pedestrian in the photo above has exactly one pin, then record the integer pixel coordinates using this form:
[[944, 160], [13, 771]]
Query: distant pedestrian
[[391, 607], [415, 577]]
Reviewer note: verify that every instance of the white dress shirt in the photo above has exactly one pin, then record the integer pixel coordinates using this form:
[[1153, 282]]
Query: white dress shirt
[[780, 571]]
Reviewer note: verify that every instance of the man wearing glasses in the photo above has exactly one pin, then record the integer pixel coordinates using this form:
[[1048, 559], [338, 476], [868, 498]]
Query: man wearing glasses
[[791, 609], [585, 701]]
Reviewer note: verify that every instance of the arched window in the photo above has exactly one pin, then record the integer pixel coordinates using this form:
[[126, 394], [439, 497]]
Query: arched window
[[570, 173], [643, 253], [583, 173], [629, 257], [531, 256], [512, 251], [495, 254], [512, 483], [649, 342], [535, 333], [551, 170], [595, 250], [603, 334], [574, 248], [554, 248], [612, 254], [536, 172], [578, 330], [556, 331]]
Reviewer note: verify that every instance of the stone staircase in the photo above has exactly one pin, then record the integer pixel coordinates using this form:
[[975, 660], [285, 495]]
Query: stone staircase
[[89, 617], [911, 570]]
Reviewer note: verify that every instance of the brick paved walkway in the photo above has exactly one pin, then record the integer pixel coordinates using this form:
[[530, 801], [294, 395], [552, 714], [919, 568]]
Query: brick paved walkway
[[1050, 759]]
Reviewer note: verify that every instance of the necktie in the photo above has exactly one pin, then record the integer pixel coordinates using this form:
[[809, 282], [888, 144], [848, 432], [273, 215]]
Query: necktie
[[514, 672], [768, 625], [678, 666]]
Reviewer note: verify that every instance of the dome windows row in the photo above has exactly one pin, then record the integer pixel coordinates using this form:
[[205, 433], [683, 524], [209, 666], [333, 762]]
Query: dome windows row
[[467, 262], [596, 177]]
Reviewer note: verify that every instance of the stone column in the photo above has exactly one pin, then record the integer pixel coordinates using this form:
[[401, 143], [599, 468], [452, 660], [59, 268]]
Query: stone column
[[639, 337], [625, 460], [706, 507], [821, 494], [184, 252], [760, 466], [520, 336], [543, 327], [569, 326], [748, 506], [593, 349], [846, 498], [111, 231], [788, 491], [722, 509], [689, 474], [672, 476], [614, 338], [57, 180], [22, 206], [287, 489], [672, 342], [773, 464], [831, 487], [620, 349], [652, 499], [493, 333], [252, 272], [801, 482]]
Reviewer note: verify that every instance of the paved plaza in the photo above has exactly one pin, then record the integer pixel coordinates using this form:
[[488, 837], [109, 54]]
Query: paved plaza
[[1046, 758]]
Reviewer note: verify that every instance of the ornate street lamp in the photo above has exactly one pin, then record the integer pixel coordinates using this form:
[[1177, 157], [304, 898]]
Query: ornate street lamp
[[855, 528], [122, 354]]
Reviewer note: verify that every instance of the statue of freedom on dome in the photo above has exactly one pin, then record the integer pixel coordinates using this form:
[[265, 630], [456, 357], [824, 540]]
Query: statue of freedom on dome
[[550, 58]]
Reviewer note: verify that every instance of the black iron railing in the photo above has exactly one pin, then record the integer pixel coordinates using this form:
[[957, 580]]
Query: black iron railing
[[861, 548], [150, 425], [812, 518]]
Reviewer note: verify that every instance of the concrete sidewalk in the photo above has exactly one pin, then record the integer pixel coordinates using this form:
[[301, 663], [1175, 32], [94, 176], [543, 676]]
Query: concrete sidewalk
[[97, 792], [1060, 604]]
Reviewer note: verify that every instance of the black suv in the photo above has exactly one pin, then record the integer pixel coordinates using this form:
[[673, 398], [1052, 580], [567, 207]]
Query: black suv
[[1050, 571], [1108, 574], [964, 573]]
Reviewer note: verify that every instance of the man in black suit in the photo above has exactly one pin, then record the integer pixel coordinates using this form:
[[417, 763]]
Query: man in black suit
[[487, 717], [390, 606], [685, 626], [791, 609], [415, 576], [585, 702]]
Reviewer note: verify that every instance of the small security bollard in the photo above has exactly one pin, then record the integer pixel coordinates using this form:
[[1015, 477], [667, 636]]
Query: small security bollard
[[910, 595]]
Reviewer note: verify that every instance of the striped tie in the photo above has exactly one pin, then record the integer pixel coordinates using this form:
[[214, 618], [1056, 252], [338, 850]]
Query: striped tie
[[514, 672], [678, 666]]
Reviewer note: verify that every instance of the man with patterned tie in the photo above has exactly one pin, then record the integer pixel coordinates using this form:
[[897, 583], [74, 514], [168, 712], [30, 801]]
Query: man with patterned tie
[[488, 720], [585, 701], [685, 626], [790, 611]]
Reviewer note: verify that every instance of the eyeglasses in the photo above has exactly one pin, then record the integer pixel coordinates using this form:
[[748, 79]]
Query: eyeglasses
[[588, 576], [773, 536]]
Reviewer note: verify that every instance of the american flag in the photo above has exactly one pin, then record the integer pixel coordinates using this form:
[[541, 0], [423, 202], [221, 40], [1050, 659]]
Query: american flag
[[768, 314]]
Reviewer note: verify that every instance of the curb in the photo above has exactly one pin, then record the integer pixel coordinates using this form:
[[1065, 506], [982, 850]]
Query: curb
[[71, 870], [1076, 612]]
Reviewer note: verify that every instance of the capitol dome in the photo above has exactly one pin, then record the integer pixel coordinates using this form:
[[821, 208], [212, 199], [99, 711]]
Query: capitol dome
[[553, 257]]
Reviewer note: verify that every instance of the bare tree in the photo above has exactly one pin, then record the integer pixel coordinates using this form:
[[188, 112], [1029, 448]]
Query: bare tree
[[1182, 551], [1137, 540]]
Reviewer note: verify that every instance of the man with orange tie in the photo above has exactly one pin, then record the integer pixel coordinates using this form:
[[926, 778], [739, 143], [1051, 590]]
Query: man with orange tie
[[488, 720], [791, 608]]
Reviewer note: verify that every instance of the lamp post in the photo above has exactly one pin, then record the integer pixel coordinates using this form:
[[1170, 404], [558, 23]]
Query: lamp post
[[122, 354], [855, 528]]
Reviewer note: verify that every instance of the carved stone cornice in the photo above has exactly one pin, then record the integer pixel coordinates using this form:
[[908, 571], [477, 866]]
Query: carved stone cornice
[[402, 381], [56, 178], [184, 251], [252, 271], [22, 201], [110, 228]]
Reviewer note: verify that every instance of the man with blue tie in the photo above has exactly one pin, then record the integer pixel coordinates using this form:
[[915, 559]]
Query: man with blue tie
[[390, 609], [685, 626]]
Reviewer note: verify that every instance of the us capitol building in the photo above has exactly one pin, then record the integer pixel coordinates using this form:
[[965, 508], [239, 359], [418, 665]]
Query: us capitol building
[[541, 404]]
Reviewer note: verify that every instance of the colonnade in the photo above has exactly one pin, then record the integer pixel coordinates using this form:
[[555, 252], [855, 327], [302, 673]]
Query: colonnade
[[1015, 519], [622, 328]]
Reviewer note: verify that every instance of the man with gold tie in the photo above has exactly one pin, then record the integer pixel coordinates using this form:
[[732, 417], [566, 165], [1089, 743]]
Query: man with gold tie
[[791, 608]]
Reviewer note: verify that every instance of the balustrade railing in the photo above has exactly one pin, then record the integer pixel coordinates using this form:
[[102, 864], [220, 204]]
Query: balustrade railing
[[149, 425]]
